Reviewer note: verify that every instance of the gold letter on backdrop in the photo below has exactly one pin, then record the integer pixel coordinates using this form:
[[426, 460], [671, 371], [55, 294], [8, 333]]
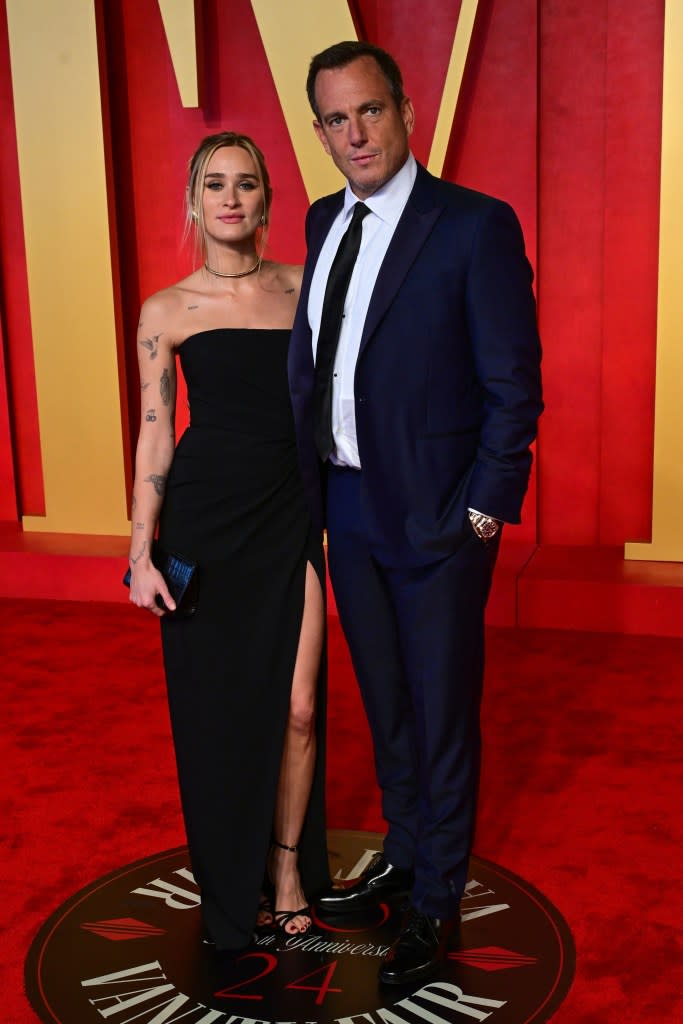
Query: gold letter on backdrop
[[451, 89], [291, 34], [179, 26], [63, 193], [667, 501]]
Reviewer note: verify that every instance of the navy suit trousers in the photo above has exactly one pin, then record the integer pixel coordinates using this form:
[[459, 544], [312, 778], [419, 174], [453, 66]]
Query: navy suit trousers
[[416, 637]]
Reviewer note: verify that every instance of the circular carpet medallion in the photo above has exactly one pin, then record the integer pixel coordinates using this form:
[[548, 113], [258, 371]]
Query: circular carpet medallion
[[127, 950]]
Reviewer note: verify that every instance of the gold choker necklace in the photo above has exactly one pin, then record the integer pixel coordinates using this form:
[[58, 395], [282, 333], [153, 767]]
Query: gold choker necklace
[[245, 273]]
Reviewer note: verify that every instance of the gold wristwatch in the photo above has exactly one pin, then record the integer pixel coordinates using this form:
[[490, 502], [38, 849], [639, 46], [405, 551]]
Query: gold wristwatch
[[484, 526]]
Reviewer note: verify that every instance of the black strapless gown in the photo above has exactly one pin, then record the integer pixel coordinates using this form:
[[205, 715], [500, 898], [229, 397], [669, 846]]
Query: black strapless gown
[[235, 504]]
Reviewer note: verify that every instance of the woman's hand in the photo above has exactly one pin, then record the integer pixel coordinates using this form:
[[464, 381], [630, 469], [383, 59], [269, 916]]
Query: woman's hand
[[145, 583]]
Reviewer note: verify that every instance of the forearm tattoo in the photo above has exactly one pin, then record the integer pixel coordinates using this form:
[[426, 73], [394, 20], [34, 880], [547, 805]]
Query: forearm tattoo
[[165, 387], [140, 553], [150, 416], [151, 344], [144, 384], [158, 482]]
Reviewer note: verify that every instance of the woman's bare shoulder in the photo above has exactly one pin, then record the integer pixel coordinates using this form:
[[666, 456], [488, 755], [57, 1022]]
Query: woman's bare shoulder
[[287, 276], [159, 305], [164, 310]]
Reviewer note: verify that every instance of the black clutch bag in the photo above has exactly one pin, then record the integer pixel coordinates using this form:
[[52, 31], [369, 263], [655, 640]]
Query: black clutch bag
[[181, 578]]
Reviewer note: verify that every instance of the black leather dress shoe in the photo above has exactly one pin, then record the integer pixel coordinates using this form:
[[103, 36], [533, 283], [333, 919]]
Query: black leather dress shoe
[[379, 881], [419, 950], [208, 940]]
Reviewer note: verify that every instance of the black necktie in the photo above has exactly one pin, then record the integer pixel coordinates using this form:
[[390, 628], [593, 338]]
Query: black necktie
[[330, 326]]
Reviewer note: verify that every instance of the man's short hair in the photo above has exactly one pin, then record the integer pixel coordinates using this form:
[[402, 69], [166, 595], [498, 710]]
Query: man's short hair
[[341, 54]]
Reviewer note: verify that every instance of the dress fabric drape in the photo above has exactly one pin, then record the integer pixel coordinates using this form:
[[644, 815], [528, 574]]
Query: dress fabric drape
[[235, 504]]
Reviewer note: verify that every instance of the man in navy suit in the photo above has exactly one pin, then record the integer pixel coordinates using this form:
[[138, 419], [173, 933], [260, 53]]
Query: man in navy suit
[[432, 402]]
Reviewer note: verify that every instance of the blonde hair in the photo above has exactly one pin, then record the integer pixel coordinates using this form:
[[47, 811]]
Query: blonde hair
[[194, 218]]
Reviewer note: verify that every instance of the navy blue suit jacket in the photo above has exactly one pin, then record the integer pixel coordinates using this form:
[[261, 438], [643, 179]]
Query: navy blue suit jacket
[[447, 385]]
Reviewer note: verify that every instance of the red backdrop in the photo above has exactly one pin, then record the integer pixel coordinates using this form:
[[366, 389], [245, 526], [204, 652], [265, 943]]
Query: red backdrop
[[560, 114]]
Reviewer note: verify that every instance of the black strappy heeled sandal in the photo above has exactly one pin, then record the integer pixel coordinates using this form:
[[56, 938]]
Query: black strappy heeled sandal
[[281, 918]]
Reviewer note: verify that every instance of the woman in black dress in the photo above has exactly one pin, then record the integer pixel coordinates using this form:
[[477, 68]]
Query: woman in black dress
[[243, 672]]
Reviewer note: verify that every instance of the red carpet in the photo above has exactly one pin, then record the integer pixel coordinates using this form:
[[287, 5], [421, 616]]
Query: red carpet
[[580, 789]]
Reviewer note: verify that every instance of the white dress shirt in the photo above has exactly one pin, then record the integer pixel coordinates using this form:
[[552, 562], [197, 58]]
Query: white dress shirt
[[386, 206]]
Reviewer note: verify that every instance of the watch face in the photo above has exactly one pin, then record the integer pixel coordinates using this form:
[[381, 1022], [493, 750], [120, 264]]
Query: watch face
[[485, 527]]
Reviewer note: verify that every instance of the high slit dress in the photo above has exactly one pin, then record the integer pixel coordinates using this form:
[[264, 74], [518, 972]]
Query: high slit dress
[[235, 504]]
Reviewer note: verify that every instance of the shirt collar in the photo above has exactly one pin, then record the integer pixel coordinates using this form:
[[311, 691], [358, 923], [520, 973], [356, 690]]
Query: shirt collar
[[389, 200]]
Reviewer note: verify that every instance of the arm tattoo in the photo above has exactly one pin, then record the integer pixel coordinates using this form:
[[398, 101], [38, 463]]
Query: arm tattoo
[[289, 291], [165, 387], [139, 526], [134, 503], [151, 344], [141, 553], [158, 481], [193, 307], [144, 384], [150, 416]]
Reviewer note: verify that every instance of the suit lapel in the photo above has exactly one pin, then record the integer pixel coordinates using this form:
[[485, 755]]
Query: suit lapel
[[417, 220], [317, 233]]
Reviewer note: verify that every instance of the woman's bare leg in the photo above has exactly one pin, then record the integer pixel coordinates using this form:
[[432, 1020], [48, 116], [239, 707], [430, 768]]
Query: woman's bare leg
[[298, 758]]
